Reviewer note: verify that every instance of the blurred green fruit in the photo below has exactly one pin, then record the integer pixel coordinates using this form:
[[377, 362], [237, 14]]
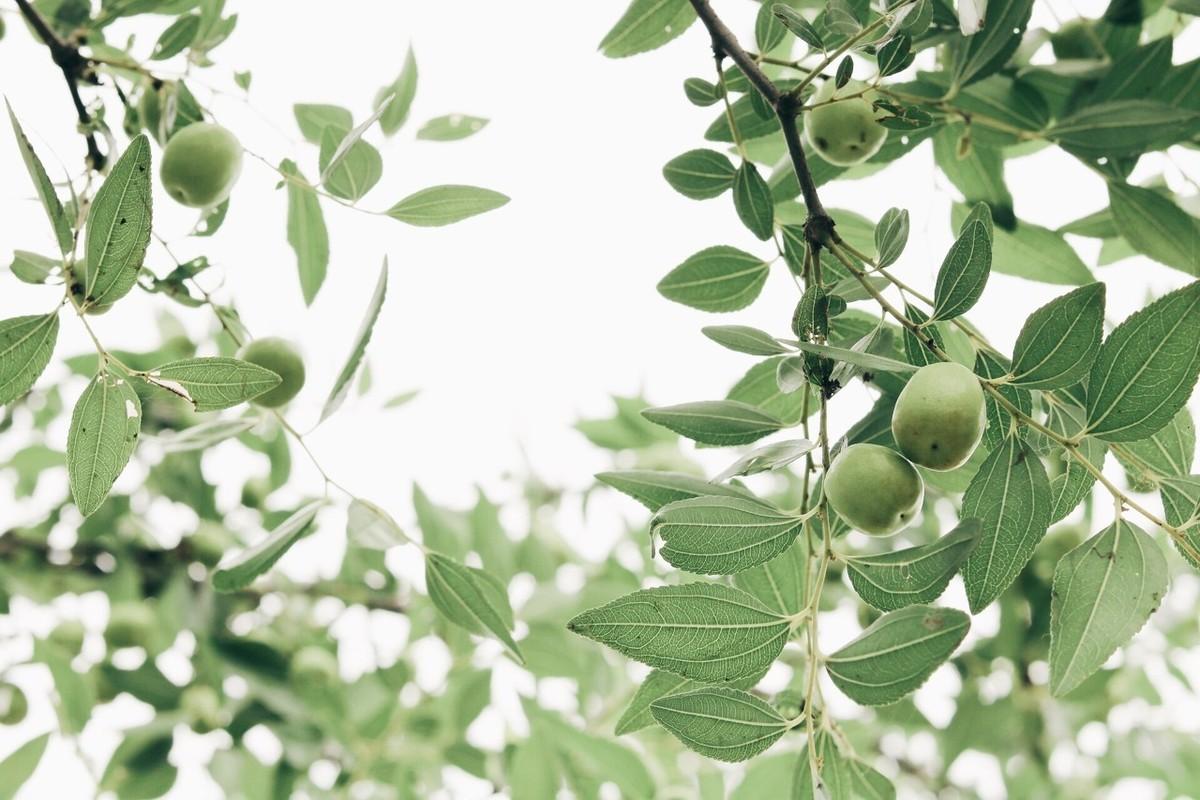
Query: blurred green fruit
[[1076, 40], [844, 132], [68, 635], [314, 668], [13, 704], [280, 357], [129, 625], [202, 706]]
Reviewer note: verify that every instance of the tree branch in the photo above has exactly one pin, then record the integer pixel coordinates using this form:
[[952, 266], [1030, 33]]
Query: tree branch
[[819, 227], [72, 64]]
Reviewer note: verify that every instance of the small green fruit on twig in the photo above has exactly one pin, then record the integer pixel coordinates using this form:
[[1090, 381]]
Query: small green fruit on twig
[[874, 489], [845, 132], [200, 165], [281, 358], [939, 416]]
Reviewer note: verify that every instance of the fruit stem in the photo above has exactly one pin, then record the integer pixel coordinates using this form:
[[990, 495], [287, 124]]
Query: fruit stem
[[72, 64]]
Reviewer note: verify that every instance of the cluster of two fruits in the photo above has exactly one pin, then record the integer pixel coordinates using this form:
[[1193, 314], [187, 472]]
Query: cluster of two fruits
[[937, 423], [200, 165]]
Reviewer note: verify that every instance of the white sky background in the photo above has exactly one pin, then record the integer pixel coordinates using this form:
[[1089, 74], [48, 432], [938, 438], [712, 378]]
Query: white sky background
[[516, 323]]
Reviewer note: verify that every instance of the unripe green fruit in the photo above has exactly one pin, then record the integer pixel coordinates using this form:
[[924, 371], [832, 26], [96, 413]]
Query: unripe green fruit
[[209, 543], [846, 132], [129, 625], [13, 704], [874, 489], [68, 635], [280, 357], [202, 706], [1075, 40], [939, 417], [314, 667], [200, 165]]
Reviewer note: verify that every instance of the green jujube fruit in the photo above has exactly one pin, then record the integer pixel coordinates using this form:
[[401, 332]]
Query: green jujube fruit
[[939, 416], [874, 489], [280, 357], [14, 705], [313, 667], [200, 165], [844, 132], [129, 625]]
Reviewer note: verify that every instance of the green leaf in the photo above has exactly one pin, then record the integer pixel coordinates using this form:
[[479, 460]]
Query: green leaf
[[800, 27], [471, 598], [19, 765], [768, 30], [445, 205], [866, 361], [656, 685], [368, 525], [1069, 487], [760, 388], [780, 584], [1104, 591], [118, 227], [341, 386], [1000, 421], [1135, 73], [897, 653], [716, 422], [914, 349], [891, 236], [701, 92], [313, 119], [1168, 453], [306, 231], [442, 530], [978, 56], [76, 695], [102, 437], [893, 580], [396, 98], [204, 435], [965, 270], [647, 25], [978, 174], [26, 344], [1033, 252], [1181, 505], [451, 127], [175, 39], [1146, 368], [211, 384], [752, 200], [766, 458], [351, 170], [839, 777], [240, 569], [722, 535], [1121, 128], [709, 632], [1058, 342], [33, 268], [700, 174], [716, 279], [45, 189], [721, 723], [656, 489], [1156, 226], [1010, 496], [744, 339]]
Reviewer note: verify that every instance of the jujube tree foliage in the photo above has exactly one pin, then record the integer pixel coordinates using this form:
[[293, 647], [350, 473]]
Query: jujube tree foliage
[[972, 456]]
